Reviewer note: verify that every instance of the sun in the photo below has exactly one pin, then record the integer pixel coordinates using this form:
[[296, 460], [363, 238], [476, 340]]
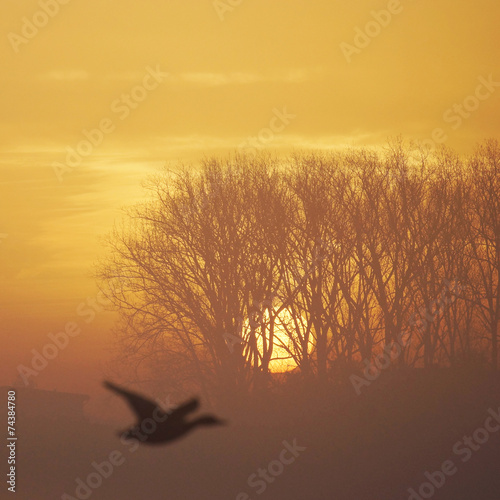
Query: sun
[[286, 340]]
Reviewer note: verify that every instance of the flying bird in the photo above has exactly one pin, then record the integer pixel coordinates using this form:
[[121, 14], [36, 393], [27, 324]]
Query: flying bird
[[154, 425]]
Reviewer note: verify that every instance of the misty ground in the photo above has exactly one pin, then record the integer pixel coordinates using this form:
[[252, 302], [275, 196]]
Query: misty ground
[[367, 447]]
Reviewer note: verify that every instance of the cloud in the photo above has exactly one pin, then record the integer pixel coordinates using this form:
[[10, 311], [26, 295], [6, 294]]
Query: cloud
[[65, 75], [200, 78], [207, 79]]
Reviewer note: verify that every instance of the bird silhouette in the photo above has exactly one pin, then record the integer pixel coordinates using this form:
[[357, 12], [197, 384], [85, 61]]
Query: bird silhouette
[[154, 425]]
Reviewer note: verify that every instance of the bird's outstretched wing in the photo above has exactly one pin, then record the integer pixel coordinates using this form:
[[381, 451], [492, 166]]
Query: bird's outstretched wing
[[181, 411], [142, 407]]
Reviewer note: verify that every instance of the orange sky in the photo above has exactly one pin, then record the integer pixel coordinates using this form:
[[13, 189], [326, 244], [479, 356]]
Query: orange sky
[[221, 82]]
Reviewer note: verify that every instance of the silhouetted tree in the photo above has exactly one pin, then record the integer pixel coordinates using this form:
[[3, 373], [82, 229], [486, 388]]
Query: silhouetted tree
[[331, 257]]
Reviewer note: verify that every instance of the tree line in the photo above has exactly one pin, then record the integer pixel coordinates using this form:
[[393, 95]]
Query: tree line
[[333, 257]]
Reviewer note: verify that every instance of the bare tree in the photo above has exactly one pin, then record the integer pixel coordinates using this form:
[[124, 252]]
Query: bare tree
[[484, 238], [330, 257]]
